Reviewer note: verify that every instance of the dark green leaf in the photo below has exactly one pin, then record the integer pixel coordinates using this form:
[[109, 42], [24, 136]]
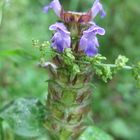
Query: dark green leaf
[[94, 133], [121, 129], [25, 116]]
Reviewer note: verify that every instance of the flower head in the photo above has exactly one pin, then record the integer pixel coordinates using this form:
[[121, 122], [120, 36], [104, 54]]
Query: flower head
[[89, 42], [61, 38], [69, 16]]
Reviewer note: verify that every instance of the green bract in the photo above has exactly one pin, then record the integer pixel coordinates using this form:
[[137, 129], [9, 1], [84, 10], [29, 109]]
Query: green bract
[[121, 61]]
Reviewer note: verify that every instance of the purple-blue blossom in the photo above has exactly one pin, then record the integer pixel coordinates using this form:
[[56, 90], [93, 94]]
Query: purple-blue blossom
[[80, 17], [55, 5], [89, 42], [97, 8], [61, 38]]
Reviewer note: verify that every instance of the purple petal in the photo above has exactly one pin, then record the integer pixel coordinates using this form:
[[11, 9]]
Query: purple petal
[[61, 38], [59, 27], [89, 42], [59, 44], [83, 43], [97, 8], [93, 30], [46, 8], [96, 41], [55, 5], [91, 49], [89, 45]]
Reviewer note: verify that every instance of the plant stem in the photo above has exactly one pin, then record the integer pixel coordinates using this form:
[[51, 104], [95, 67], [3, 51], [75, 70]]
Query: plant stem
[[110, 65], [114, 66]]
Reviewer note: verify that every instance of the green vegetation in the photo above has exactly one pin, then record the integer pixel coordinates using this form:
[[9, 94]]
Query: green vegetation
[[115, 104]]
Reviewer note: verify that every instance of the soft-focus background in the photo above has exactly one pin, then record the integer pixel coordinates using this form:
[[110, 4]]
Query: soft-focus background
[[116, 105]]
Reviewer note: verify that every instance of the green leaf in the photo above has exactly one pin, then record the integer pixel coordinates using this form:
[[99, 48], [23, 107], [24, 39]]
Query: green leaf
[[94, 133], [75, 69], [120, 129], [69, 54], [25, 117]]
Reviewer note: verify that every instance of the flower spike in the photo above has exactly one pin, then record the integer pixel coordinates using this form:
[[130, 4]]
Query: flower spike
[[88, 42]]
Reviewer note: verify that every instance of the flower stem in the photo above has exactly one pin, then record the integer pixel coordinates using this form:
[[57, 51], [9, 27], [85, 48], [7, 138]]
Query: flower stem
[[114, 66], [109, 65]]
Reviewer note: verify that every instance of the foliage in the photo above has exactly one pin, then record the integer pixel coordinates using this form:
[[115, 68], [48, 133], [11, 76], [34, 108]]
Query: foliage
[[115, 105], [25, 117], [94, 133]]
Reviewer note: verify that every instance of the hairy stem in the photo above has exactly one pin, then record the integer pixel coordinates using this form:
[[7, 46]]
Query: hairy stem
[[110, 65], [114, 66]]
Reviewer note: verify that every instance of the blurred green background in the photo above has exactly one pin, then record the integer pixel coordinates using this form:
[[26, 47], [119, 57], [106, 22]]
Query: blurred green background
[[116, 105]]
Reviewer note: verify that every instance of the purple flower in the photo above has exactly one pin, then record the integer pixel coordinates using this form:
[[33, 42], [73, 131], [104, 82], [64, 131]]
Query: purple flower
[[61, 38], [89, 42], [69, 16], [55, 5], [97, 8]]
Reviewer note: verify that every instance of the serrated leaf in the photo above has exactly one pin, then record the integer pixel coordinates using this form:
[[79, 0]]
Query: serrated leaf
[[94, 133], [25, 117]]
